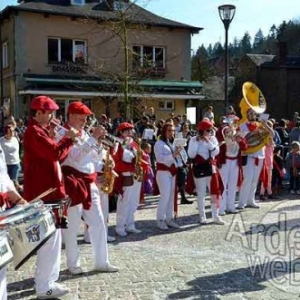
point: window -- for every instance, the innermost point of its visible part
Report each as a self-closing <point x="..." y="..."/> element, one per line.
<point x="166" y="105"/>
<point x="77" y="2"/>
<point x="5" y="55"/>
<point x="149" y="57"/>
<point x="66" y="50"/>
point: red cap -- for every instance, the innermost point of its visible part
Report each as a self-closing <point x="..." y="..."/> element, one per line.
<point x="205" y="125"/>
<point x="124" y="126"/>
<point x="79" y="108"/>
<point x="43" y="103"/>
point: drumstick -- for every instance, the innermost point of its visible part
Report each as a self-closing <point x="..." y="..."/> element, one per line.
<point x="49" y="191"/>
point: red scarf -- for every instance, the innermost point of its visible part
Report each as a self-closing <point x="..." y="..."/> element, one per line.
<point x="252" y="126"/>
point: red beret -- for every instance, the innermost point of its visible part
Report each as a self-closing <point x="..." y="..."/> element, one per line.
<point x="43" y="103"/>
<point x="205" y="125"/>
<point x="79" y="108"/>
<point x="124" y="126"/>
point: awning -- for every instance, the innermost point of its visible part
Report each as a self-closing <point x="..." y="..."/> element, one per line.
<point x="107" y="94"/>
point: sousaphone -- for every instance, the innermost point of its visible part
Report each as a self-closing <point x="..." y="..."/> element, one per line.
<point x="253" y="98"/>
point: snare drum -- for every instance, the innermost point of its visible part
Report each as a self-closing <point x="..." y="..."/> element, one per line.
<point x="29" y="229"/>
<point x="60" y="211"/>
<point x="6" y="254"/>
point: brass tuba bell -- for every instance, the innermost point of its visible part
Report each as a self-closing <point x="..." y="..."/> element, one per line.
<point x="253" y="98"/>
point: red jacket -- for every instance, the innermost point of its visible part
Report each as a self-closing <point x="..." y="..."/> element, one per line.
<point x="42" y="155"/>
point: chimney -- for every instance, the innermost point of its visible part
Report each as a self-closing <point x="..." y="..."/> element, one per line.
<point x="282" y="52"/>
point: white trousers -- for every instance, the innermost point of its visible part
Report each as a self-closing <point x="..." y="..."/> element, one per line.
<point x="3" y="292"/>
<point x="251" y="174"/>
<point x="48" y="263"/>
<point x="105" y="207"/>
<point x="127" y="206"/>
<point x="166" y="184"/>
<point x="96" y="229"/>
<point x="229" y="173"/>
<point x="201" y="185"/>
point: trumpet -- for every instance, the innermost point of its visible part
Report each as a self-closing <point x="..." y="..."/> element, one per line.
<point x="79" y="141"/>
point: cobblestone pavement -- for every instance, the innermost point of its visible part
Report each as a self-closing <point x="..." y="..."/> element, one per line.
<point x="254" y="256"/>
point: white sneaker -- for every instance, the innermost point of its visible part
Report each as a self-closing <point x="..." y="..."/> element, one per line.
<point x="121" y="233"/>
<point x="292" y="192"/>
<point x="203" y="221"/>
<point x="107" y="269"/>
<point x="133" y="230"/>
<point x="162" y="225"/>
<point x="58" y="290"/>
<point x="218" y="220"/>
<point x="75" y="270"/>
<point x="253" y="205"/>
<point x="298" y="192"/>
<point x="172" y="224"/>
<point x="110" y="239"/>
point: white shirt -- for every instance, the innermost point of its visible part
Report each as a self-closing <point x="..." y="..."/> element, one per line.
<point x="164" y="154"/>
<point x="203" y="148"/>
<point x="83" y="157"/>
<point x="11" y="150"/>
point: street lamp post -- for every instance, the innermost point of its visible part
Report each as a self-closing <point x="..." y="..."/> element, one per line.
<point x="226" y="13"/>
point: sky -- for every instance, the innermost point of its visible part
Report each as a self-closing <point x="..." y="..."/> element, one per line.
<point x="204" y="13"/>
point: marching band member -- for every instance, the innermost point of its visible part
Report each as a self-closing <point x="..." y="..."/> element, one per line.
<point x="42" y="171"/>
<point x="103" y="153"/>
<point x="80" y="171"/>
<point x="202" y="150"/>
<point x="252" y="165"/>
<point x="168" y="159"/>
<point x="229" y="162"/>
<point x="128" y="186"/>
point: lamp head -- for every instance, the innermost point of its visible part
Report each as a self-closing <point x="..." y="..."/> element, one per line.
<point x="226" y="12"/>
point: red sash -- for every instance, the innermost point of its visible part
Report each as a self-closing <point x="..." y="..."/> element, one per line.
<point x="78" y="186"/>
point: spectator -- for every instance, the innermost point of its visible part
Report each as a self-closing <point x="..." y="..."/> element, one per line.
<point x="295" y="133"/>
<point x="10" y="146"/>
<point x="151" y="115"/>
<point x="209" y="114"/>
<point x="116" y="122"/>
<point x="293" y="165"/>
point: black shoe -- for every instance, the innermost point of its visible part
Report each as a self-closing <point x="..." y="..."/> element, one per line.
<point x="186" y="201"/>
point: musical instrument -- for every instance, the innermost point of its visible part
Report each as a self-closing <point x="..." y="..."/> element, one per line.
<point x="29" y="229"/>
<point x="109" y="175"/>
<point x="139" y="172"/>
<point x="79" y="141"/>
<point x="6" y="254"/>
<point x="255" y="100"/>
<point x="60" y="212"/>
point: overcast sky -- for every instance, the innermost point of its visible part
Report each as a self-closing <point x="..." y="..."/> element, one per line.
<point x="250" y="16"/>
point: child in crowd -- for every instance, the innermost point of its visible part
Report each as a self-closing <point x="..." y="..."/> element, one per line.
<point x="278" y="172"/>
<point x="149" y="176"/>
<point x="293" y="165"/>
<point x="269" y="150"/>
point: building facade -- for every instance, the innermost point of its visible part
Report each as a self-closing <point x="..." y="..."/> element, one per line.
<point x="95" y="51"/>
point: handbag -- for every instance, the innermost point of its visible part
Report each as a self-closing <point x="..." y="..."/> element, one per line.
<point x="203" y="169"/>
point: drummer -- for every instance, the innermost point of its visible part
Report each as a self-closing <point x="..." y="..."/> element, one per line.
<point x="8" y="196"/>
<point x="42" y="155"/>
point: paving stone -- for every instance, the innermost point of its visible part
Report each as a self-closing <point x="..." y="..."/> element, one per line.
<point x="193" y="262"/>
